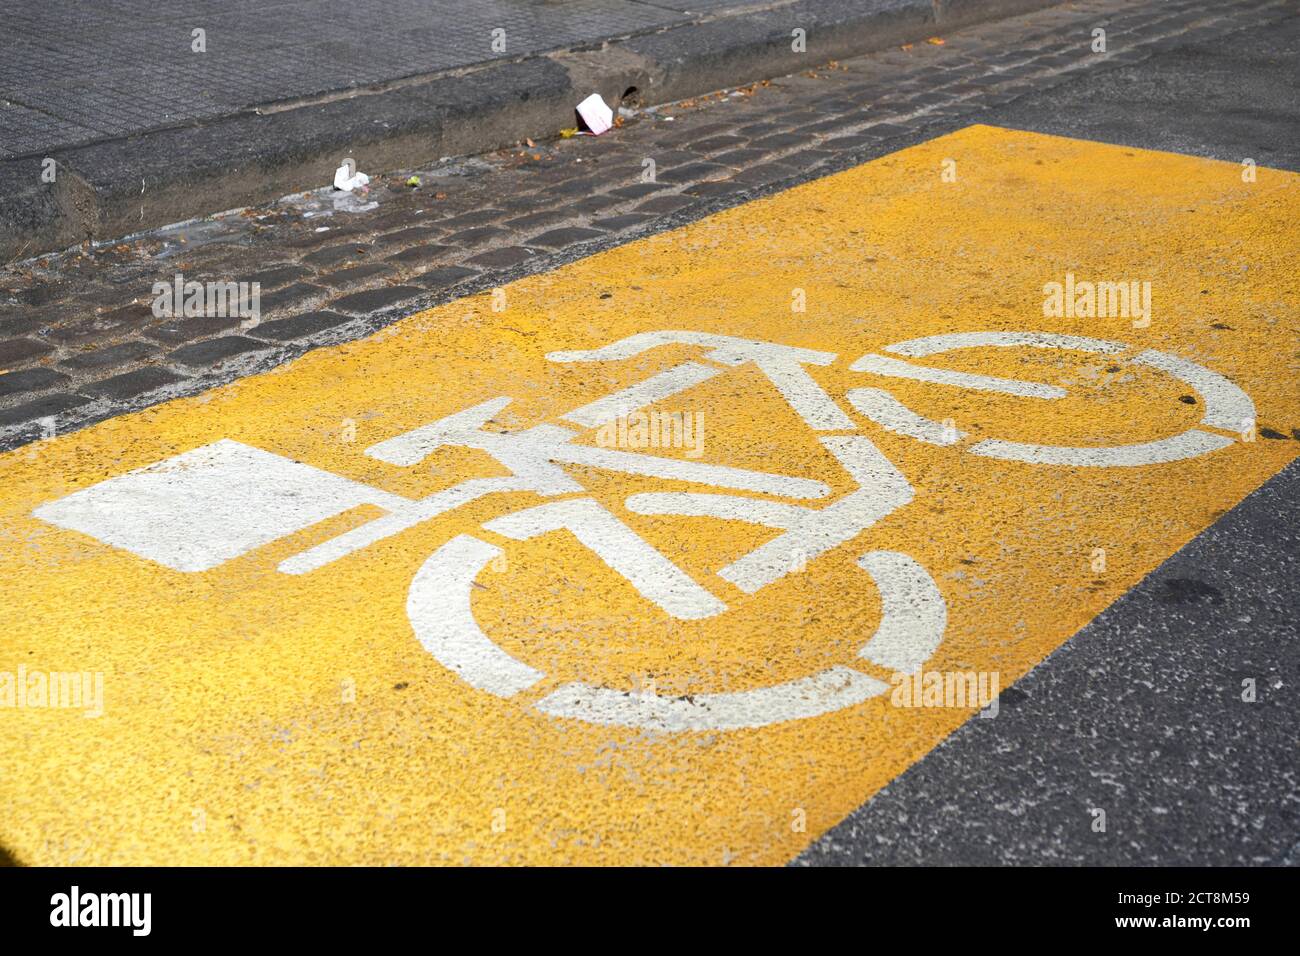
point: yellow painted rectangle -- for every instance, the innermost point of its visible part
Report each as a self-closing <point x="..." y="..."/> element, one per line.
<point x="253" y="716"/>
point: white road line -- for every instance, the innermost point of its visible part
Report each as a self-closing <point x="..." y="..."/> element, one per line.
<point x="1226" y="405"/>
<point x="411" y="448"/>
<point x="535" y="455"/>
<point x="934" y="344"/>
<point x="654" y="389"/>
<point x="891" y="414"/>
<point x="882" y="489"/>
<point x="675" y="469"/>
<point x="913" y="614"/>
<point x="694" y="504"/>
<point x="655" y="577"/>
<point x="808" y="399"/>
<point x="730" y="349"/>
<point x="782" y="364"/>
<point x="1189" y="444"/>
<point x="407" y="516"/>
<point x="895" y="368"/>
<point x="438" y="605"/>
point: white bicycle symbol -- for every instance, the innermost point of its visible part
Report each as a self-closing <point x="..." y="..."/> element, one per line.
<point x="209" y="505"/>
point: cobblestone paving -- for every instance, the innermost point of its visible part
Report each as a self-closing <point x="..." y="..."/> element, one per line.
<point x="80" y="343"/>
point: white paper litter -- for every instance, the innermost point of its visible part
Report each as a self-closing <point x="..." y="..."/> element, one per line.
<point x="343" y="178"/>
<point x="596" y="114"/>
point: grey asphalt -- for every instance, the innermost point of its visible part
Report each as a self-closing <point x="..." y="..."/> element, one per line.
<point x="1225" y="98"/>
<point x="1141" y="714"/>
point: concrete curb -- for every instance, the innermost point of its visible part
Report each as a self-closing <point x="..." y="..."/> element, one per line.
<point x="114" y="188"/>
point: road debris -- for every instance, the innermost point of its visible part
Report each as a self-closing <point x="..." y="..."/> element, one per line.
<point x="596" y="114"/>
<point x="347" y="178"/>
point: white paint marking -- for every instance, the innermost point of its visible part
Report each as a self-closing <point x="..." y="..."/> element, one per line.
<point x="654" y="389"/>
<point x="655" y="577"/>
<point x="895" y="368"/>
<point x="694" y="504"/>
<point x="675" y="469"/>
<point x="1226" y="405"/>
<point x="781" y="364"/>
<point x="1189" y="444"/>
<point x="535" y="454"/>
<point x="411" y="448"/>
<point x="891" y="414"/>
<point x="525" y="453"/>
<point x="934" y="344"/>
<point x="913" y="614"/>
<point x="882" y="489"/>
<point x="439" y="607"/>
<point x="731" y="350"/>
<point x="206" y="506"/>
<point x="808" y="399"/>
<point x="398" y="521"/>
<point x="833" y="689"/>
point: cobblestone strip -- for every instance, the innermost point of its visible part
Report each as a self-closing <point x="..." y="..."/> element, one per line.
<point x="79" y="341"/>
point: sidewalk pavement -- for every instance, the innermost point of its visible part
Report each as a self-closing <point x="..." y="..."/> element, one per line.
<point x="158" y="113"/>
